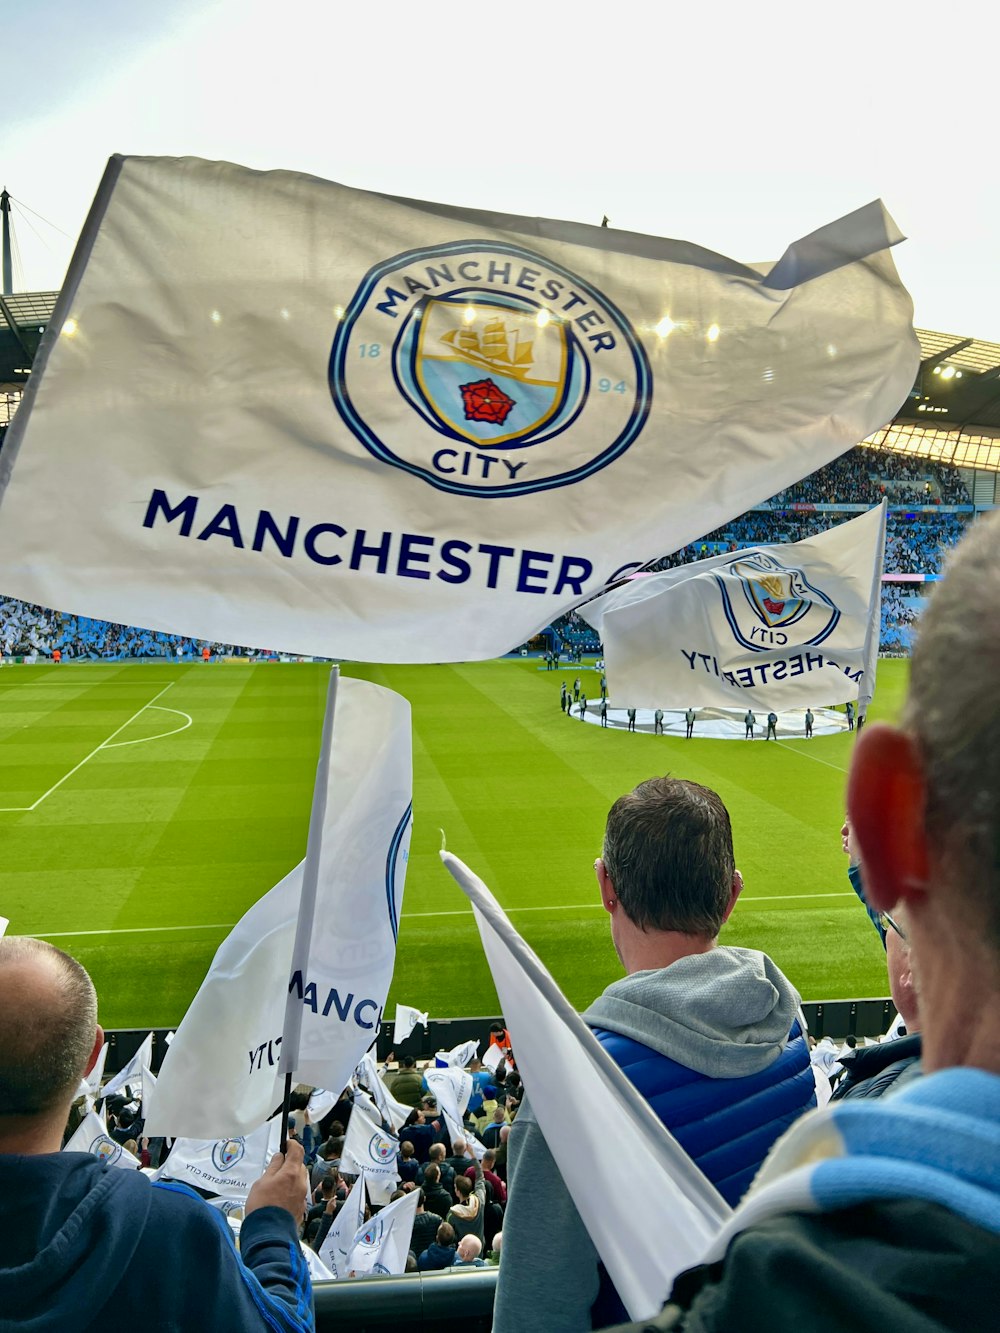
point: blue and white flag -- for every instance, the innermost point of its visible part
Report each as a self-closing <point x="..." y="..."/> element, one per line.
<point x="220" y="1075"/>
<point x="382" y="1244"/>
<point x="459" y="1056"/>
<point x="368" y="1147"/>
<point x="794" y="625"/>
<point x="392" y="1112"/>
<point x="345" y="1226"/>
<point x="273" y="410"/>
<point x="645" y="1236"/>
<point x="225" y="1167"/>
<point x="92" y="1136"/>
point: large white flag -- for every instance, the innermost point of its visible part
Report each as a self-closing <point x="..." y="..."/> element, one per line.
<point x="269" y="409"/>
<point x="645" y="1237"/>
<point x="90" y="1086"/>
<point x="131" y="1074"/>
<point x="787" y="626"/>
<point x="371" y="1149"/>
<point x="382" y="1244"/>
<point x="406" y="1020"/>
<point x="92" y="1136"/>
<point x="340" y="1237"/>
<point x="459" y="1056"/>
<point x="220" y="1075"/>
<point x="226" y="1167"/>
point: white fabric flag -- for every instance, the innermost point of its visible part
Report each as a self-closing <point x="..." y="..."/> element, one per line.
<point x="92" y="1136"/>
<point x="493" y="1057"/>
<point x="148" y="1087"/>
<point x="787" y="626"/>
<point x="268" y="408"/>
<point x="452" y="1089"/>
<point x="369" y="1148"/>
<point x="131" y="1074"/>
<point x="318" y="1270"/>
<point x="90" y="1086"/>
<point x="391" y="1111"/>
<point x="320" y="1102"/>
<point x="381" y="1245"/>
<point x="459" y="1056"/>
<point x="226" y="1167"/>
<point x="646" y="1237"/>
<point x="4" y="923"/>
<point x="220" y="1074"/>
<point x="406" y="1020"/>
<point x="340" y="1237"/>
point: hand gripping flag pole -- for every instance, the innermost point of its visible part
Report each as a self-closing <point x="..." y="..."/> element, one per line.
<point x="291" y="1031"/>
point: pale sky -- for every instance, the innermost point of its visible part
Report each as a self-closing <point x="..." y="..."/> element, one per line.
<point x="737" y="126"/>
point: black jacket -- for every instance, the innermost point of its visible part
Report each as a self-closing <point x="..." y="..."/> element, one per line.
<point x="870" y="1071"/>
<point x="896" y="1266"/>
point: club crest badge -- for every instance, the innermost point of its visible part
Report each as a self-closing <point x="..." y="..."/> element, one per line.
<point x="381" y="1150"/>
<point x="227" y="1152"/>
<point x="106" y="1149"/>
<point x="487" y="370"/>
<point x="371" y="1237"/>
<point x="770" y="605"/>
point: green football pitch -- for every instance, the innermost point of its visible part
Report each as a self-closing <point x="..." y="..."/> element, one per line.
<point x="143" y="808"/>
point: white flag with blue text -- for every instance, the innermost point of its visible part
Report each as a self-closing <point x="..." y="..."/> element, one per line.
<point x="220" y="1074"/>
<point x="340" y="1238"/>
<point x="382" y="1244"/>
<point x="794" y="625"/>
<point x="371" y="1149"/>
<point x="268" y="408"/>
<point x="224" y="1167"/>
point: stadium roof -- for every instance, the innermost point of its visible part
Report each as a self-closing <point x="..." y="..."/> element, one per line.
<point x="952" y="414"/>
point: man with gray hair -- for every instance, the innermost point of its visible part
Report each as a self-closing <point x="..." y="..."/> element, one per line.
<point x="885" y="1214"/>
<point x="81" y="1240"/>
<point x="708" y="1034"/>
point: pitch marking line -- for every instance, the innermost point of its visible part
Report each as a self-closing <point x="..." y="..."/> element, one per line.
<point x="795" y="750"/>
<point x="160" y="734"/>
<point x="562" y="907"/>
<point x="104" y="745"/>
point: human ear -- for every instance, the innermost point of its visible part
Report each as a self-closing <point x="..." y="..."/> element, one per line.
<point x="886" y="800"/>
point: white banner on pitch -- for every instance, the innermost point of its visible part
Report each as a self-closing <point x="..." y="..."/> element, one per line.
<point x="794" y="625"/>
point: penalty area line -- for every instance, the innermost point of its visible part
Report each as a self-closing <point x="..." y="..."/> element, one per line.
<point x="816" y="760"/>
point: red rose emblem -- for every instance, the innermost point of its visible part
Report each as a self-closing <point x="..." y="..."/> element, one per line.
<point x="775" y="608"/>
<point x="484" y="401"/>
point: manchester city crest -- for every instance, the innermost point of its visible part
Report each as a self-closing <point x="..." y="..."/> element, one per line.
<point x="106" y="1149"/>
<point x="381" y="1149"/>
<point x="372" y="1235"/>
<point x="227" y="1152"/>
<point x="769" y="604"/>
<point x="487" y="370"/>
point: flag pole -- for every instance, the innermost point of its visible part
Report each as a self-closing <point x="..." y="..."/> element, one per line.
<point x="292" y="1028"/>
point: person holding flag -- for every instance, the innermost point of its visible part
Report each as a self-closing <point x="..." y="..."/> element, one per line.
<point x="708" y="1035"/>
<point x="75" y="1235"/>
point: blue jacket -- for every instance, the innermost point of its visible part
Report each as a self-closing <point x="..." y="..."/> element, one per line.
<point x="726" y="1125"/>
<point x="85" y="1246"/>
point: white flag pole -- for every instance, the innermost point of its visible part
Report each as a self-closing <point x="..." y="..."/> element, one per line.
<point x="874" y="633"/>
<point x="291" y="1031"/>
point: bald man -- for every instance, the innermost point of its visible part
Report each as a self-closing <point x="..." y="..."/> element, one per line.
<point x="82" y="1242"/>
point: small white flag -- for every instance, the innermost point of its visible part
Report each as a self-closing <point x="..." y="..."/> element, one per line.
<point x="368" y="1148"/>
<point x="406" y="1020"/>
<point x="382" y="1244"/>
<point x="644" y="1238"/>
<point x="392" y="1112"/>
<point x="226" y="1167"/>
<point x="220" y="1074"/>
<point x="90" y="1086"/>
<point x="459" y="1056"/>
<point x="452" y="1089"/>
<point x="340" y="1237"/>
<point x="787" y="626"/>
<point x="320" y="1102"/>
<point x="92" y="1136"/>
<point x="493" y="1056"/>
<point x="318" y="1270"/>
<point x="148" y="1085"/>
<point x="4" y="923"/>
<point x="131" y="1075"/>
